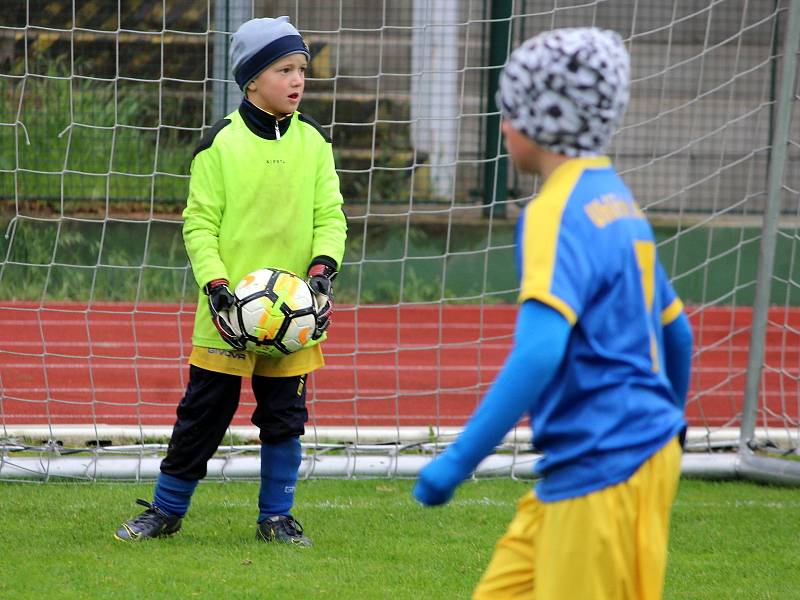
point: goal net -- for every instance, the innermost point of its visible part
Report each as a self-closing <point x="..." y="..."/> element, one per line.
<point x="103" y="103"/>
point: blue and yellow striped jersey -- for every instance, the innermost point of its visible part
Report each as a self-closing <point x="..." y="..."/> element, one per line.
<point x="585" y="249"/>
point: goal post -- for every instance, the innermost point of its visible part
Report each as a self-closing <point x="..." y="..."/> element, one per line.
<point x="103" y="104"/>
<point x="766" y="468"/>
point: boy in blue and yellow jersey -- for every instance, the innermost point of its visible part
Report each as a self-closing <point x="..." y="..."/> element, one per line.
<point x="263" y="193"/>
<point x="602" y="349"/>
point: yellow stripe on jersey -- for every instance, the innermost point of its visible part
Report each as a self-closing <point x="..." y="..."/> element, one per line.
<point x="669" y="314"/>
<point x="540" y="235"/>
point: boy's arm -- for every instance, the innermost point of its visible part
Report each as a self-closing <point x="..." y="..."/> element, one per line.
<point x="678" y="355"/>
<point x="330" y="231"/>
<point x="677" y="337"/>
<point x="202" y="218"/>
<point x="330" y="225"/>
<point x="539" y="346"/>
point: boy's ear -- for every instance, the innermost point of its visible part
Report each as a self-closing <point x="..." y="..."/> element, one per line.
<point x="251" y="87"/>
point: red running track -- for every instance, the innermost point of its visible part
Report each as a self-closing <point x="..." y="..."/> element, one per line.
<point x="121" y="364"/>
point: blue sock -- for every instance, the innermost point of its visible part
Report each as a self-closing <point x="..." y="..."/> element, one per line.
<point x="279" y="466"/>
<point x="173" y="495"/>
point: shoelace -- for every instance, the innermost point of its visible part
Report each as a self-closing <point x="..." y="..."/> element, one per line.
<point x="292" y="527"/>
<point x="149" y="516"/>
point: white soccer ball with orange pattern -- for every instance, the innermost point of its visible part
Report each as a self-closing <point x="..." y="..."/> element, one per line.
<point x="274" y="311"/>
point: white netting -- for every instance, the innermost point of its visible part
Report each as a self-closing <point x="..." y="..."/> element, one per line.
<point x="104" y="102"/>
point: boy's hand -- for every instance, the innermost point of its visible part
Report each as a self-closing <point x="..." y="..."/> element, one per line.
<point x="220" y="299"/>
<point x="429" y="495"/>
<point x="320" y="280"/>
<point x="436" y="483"/>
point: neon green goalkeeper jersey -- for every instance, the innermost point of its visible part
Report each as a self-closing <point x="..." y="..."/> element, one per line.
<point x="256" y="202"/>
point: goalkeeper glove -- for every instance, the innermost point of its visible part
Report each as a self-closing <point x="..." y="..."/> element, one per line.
<point x="321" y="275"/>
<point x="220" y="299"/>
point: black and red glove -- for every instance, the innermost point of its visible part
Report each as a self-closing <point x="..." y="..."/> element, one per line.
<point x="220" y="299"/>
<point x="321" y="275"/>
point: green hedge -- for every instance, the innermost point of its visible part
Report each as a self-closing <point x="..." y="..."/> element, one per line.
<point x="145" y="260"/>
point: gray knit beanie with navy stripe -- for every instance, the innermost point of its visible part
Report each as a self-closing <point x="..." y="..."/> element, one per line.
<point x="260" y="42"/>
<point x="567" y="89"/>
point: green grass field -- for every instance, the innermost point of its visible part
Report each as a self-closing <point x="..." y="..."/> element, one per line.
<point x="729" y="541"/>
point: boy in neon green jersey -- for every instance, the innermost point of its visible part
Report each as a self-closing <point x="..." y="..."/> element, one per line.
<point x="263" y="193"/>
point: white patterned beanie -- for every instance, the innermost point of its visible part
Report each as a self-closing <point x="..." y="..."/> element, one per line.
<point x="567" y="89"/>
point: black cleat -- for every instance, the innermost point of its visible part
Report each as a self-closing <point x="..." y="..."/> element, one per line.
<point x="280" y="528"/>
<point x="152" y="523"/>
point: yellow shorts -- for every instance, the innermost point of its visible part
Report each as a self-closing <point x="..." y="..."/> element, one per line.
<point x="607" y="545"/>
<point x="247" y="364"/>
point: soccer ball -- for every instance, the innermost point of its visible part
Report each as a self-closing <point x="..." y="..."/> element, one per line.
<point x="274" y="312"/>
